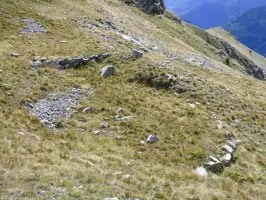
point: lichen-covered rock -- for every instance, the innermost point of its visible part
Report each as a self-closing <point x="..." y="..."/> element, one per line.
<point x="151" y="6"/>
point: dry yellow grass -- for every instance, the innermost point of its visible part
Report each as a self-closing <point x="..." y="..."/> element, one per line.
<point x="79" y="165"/>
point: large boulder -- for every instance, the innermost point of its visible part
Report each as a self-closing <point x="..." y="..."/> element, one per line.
<point x="151" y="6"/>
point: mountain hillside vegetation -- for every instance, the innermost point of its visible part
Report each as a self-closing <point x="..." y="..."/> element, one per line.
<point x="100" y="100"/>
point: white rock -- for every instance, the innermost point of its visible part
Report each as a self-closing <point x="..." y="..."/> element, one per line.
<point x="152" y="139"/>
<point x="213" y="159"/>
<point x="108" y="71"/>
<point x="192" y="105"/>
<point x="125" y="118"/>
<point x="14" y="55"/>
<point x="201" y="171"/>
<point x="227" y="159"/>
<point x="113" y="198"/>
<point x="86" y="110"/>
<point x="228" y="149"/>
<point x="96" y="132"/>
<point x="35" y="58"/>
<point x="142" y="143"/>
<point x="21" y="133"/>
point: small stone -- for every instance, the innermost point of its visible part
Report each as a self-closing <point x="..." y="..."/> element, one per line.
<point x="232" y="143"/>
<point x="192" y="105"/>
<point x="35" y="58"/>
<point x="228" y="135"/>
<point x="120" y="110"/>
<point x="14" y="55"/>
<point x="63" y="41"/>
<point x="113" y="198"/>
<point x="155" y="48"/>
<point x="21" y="133"/>
<point x="214" y="167"/>
<point x="96" y="132"/>
<point x="118" y="137"/>
<point x="127" y="176"/>
<point x="108" y="71"/>
<point x="213" y="159"/>
<point x="227" y="159"/>
<point x="87" y="110"/>
<point x="80" y="187"/>
<point x="228" y="149"/>
<point x="128" y="163"/>
<point x="42" y="59"/>
<point x="142" y="143"/>
<point x="42" y="193"/>
<point x="125" y="118"/>
<point x="104" y="125"/>
<point x="144" y="49"/>
<point x="201" y="171"/>
<point x="152" y="139"/>
<point x="136" y="54"/>
<point x="30" y="105"/>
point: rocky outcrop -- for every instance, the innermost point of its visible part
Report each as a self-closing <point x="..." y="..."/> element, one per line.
<point x="65" y="63"/>
<point x="251" y="68"/>
<point x="151" y="6"/>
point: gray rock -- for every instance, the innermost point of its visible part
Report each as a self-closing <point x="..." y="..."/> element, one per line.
<point x="151" y="6"/>
<point x="233" y="144"/>
<point x="228" y="135"/>
<point x="227" y="148"/>
<point x="108" y="71"/>
<point x="33" y="27"/>
<point x="120" y="110"/>
<point x="35" y="58"/>
<point x="87" y="110"/>
<point x="214" y="167"/>
<point x="104" y="125"/>
<point x="201" y="171"/>
<point x="227" y="159"/>
<point x="144" y="49"/>
<point x="152" y="139"/>
<point x="136" y="54"/>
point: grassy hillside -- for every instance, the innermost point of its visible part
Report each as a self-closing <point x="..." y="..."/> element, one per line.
<point x="75" y="162"/>
<point x="250" y="29"/>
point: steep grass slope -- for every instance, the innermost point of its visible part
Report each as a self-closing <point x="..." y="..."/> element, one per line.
<point x="78" y="163"/>
<point x="223" y="34"/>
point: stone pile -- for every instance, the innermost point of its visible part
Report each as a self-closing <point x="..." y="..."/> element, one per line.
<point x="66" y="63"/>
<point x="33" y="27"/>
<point x="57" y="107"/>
<point x="217" y="163"/>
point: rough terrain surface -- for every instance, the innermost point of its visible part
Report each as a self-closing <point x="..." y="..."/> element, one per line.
<point x="172" y="114"/>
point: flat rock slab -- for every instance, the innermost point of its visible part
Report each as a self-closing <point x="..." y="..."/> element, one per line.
<point x="57" y="106"/>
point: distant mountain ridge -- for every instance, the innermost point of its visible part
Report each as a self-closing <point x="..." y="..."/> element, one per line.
<point x="211" y="13"/>
<point x="250" y="29"/>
